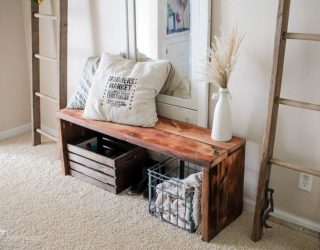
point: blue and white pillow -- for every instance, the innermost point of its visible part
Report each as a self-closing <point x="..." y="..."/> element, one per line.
<point x="79" y="99"/>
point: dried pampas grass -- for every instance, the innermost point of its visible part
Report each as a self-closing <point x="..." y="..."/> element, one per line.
<point x="222" y="57"/>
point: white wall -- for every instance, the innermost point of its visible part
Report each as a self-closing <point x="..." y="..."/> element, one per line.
<point x="14" y="85"/>
<point x="298" y="130"/>
<point x="147" y="23"/>
<point x="95" y="26"/>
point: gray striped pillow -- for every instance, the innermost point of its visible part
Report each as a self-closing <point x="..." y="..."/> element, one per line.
<point x="79" y="99"/>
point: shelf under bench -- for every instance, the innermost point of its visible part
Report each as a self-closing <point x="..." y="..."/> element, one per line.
<point x="222" y="162"/>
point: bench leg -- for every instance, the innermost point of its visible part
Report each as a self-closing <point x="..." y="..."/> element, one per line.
<point x="222" y="194"/>
<point x="67" y="133"/>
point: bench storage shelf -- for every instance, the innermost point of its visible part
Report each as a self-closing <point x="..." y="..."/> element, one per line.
<point x="221" y="163"/>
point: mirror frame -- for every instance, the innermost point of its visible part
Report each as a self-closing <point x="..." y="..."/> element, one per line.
<point x="194" y="110"/>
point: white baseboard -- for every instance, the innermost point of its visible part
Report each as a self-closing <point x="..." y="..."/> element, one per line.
<point x="249" y="205"/>
<point x="15" y="131"/>
<point x="24" y="129"/>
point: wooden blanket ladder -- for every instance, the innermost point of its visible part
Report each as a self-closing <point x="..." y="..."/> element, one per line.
<point x="60" y="60"/>
<point x="264" y="200"/>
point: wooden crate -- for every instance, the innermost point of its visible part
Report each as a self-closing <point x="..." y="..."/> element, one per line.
<point x="105" y="162"/>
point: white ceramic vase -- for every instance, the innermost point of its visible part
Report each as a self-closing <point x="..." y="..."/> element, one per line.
<point x="221" y="126"/>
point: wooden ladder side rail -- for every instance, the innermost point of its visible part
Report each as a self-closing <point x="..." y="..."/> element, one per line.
<point x="61" y="59"/>
<point x="273" y="107"/>
<point x="35" y="100"/>
<point x="63" y="52"/>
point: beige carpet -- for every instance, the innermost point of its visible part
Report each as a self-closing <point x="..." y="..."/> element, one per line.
<point x="40" y="209"/>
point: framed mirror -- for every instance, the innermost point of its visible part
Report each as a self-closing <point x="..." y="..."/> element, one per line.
<point x="178" y="31"/>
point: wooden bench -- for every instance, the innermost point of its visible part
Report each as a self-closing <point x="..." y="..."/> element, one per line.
<point x="222" y="162"/>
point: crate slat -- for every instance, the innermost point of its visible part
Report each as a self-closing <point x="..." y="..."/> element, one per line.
<point x="92" y="181"/>
<point x="129" y="169"/>
<point x="90" y="155"/>
<point x="91" y="164"/>
<point x="132" y="154"/>
<point x="93" y="173"/>
<point x="111" y="142"/>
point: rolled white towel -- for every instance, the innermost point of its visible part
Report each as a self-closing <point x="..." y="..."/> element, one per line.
<point x="163" y="202"/>
<point x="181" y="208"/>
<point x="176" y="220"/>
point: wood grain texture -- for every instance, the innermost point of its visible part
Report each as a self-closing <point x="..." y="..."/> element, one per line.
<point x="193" y="151"/>
<point x="63" y="53"/>
<point x="271" y="122"/>
<point x="46" y="97"/>
<point x="120" y="172"/>
<point x="93" y="181"/>
<point x="235" y="184"/>
<point x="93" y="173"/>
<point x="295" y="167"/>
<point x="35" y="100"/>
<point x="44" y="133"/>
<point x="91" y="155"/>
<point x="91" y="164"/>
<point x="303" y="36"/>
<point x="129" y="170"/>
<point x="222" y="194"/>
<point x="197" y="133"/>
<point x="120" y="177"/>
<point x="46" y="58"/>
<point x="62" y="56"/>
<point x="68" y="132"/>
<point x="298" y="104"/>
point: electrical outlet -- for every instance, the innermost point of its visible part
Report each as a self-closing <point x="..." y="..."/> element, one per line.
<point x="305" y="182"/>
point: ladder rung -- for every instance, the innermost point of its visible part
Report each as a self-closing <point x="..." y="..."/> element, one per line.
<point x="45" y="16"/>
<point x="44" y="96"/>
<point x="47" y="58"/>
<point x="298" y="104"/>
<point x="302" y="36"/>
<point x="294" y="167"/>
<point x="40" y="131"/>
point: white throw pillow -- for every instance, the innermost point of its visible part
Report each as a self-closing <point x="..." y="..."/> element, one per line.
<point x="124" y="91"/>
<point x="175" y="85"/>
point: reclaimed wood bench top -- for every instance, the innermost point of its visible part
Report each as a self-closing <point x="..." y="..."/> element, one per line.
<point x="182" y="140"/>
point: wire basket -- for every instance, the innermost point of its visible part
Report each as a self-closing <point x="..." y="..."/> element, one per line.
<point x="169" y="198"/>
